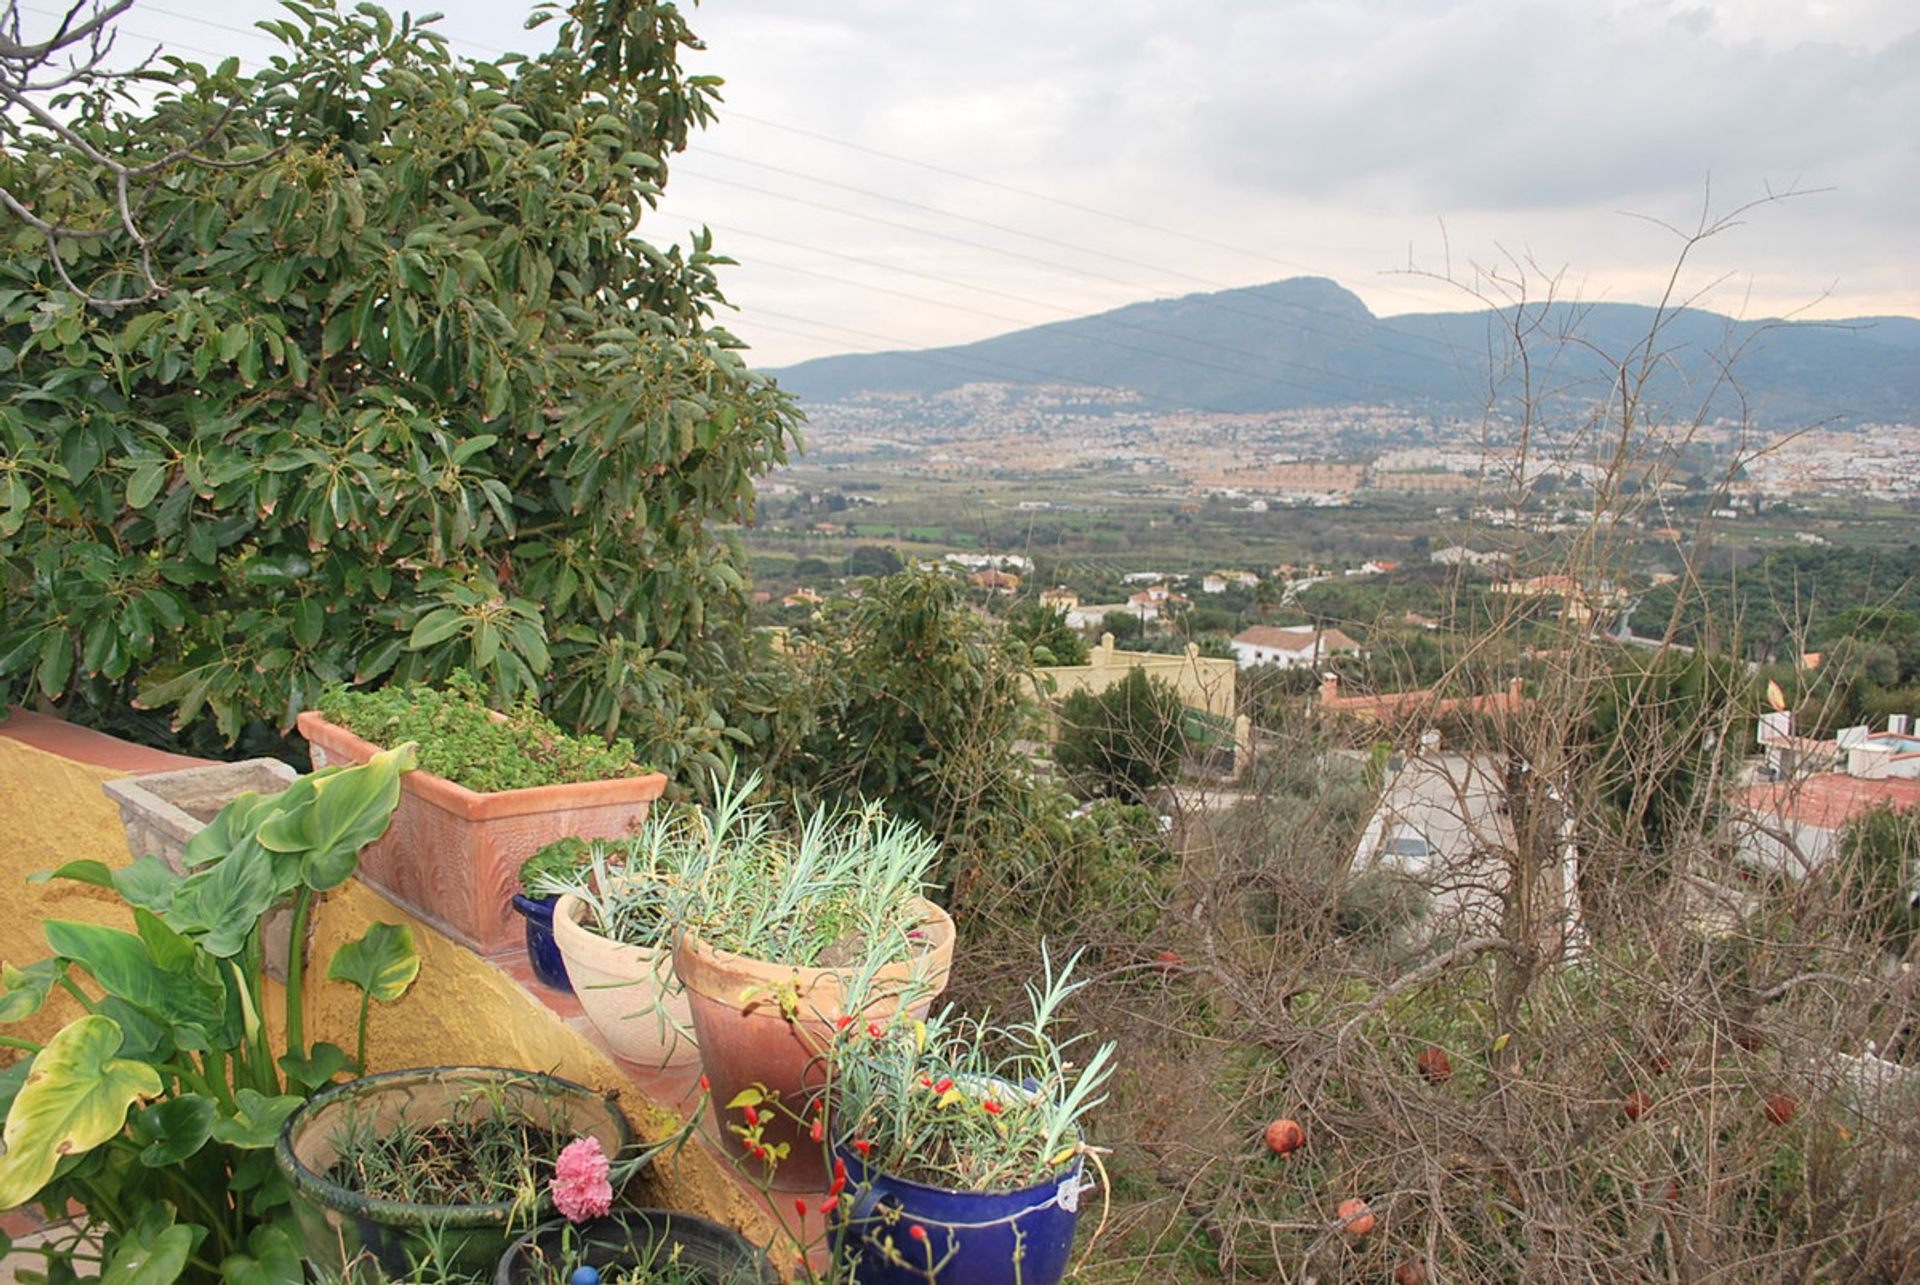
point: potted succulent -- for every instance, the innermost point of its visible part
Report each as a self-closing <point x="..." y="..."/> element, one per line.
<point x="613" y="925"/>
<point x="654" y="1246"/>
<point x="959" y="1146"/>
<point x="786" y="937"/>
<point x="442" y="1165"/>
<point x="558" y="863"/>
<point x="492" y="789"/>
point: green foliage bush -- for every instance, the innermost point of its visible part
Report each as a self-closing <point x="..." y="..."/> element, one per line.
<point x="1047" y="636"/>
<point x="1127" y="739"/>
<point x="416" y="397"/>
<point x="908" y="696"/>
<point x="461" y="739"/>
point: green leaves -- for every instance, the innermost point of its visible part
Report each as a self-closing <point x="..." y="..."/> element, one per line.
<point x="170" y="1131"/>
<point x="341" y="813"/>
<point x="256" y="1120"/>
<point x="75" y="1098"/>
<point x="155" y="1250"/>
<point x="381" y="962"/>
<point x="26" y="989"/>
<point x="190" y="999"/>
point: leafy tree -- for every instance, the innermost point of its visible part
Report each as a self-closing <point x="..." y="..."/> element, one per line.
<point x="415" y="395"/>
<point x="872" y="560"/>
<point x="1049" y="639"/>
<point x="906" y="696"/>
<point x="1128" y="738"/>
<point x="1123" y="625"/>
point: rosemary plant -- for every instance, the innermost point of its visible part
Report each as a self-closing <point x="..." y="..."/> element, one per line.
<point x="965" y="1105"/>
<point x="627" y="884"/>
<point x="839" y="891"/>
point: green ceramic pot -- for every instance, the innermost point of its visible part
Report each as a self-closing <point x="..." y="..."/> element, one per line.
<point x="352" y="1235"/>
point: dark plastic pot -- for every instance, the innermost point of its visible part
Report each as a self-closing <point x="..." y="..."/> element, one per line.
<point x="635" y="1238"/>
<point x="348" y="1233"/>
<point x="1022" y="1237"/>
<point x="543" y="952"/>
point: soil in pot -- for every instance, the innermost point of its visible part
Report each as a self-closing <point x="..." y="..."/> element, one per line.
<point x="448" y="1164"/>
<point x="749" y="1037"/>
<point x="637" y="1247"/>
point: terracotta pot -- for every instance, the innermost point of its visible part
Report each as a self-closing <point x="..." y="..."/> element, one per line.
<point x="747" y="1040"/>
<point x="452" y="856"/>
<point x="631" y="994"/>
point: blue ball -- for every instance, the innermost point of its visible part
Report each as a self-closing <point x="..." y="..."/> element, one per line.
<point x="584" y="1276"/>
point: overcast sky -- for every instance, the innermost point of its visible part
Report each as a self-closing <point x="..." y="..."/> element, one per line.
<point x="903" y="173"/>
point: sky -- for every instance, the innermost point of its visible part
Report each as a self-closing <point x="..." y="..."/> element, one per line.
<point x="907" y="174"/>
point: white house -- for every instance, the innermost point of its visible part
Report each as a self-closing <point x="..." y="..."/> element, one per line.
<point x="1291" y="648"/>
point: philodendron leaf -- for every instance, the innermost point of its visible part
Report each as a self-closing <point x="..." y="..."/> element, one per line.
<point x="124" y="966"/>
<point x="273" y="1258"/>
<point x="93" y="872"/>
<point x="26" y="989"/>
<point x="148" y="883"/>
<point x="232" y="827"/>
<point x="322" y="1063"/>
<point x="221" y="903"/>
<point x="381" y="961"/>
<point x="154" y="1251"/>
<point x="348" y="811"/>
<point x="256" y="1120"/>
<point x="75" y="1097"/>
<point x="174" y="1129"/>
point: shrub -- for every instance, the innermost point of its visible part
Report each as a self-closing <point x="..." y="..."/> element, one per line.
<point x="416" y="398"/>
<point x="1127" y="739"/>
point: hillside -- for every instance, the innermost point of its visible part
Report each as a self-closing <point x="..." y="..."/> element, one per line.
<point x="1308" y="342"/>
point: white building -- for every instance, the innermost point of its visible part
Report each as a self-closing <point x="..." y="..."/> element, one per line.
<point x="1291" y="648"/>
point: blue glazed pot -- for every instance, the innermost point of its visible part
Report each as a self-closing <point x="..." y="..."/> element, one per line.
<point x="542" y="951"/>
<point x="1022" y="1237"/>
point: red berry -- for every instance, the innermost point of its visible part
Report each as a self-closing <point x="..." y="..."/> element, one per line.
<point x="1434" y="1064"/>
<point x="1411" y="1272"/>
<point x="1781" y="1108"/>
<point x="917" y="1232"/>
<point x="1356" y="1219"/>
<point x="1637" y="1104"/>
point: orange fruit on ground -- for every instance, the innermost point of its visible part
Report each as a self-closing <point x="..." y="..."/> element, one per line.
<point x="1781" y="1108"/>
<point x="1285" y="1135"/>
<point x="1637" y="1104"/>
<point x="1356" y="1219"/>
<point x="1411" y="1272"/>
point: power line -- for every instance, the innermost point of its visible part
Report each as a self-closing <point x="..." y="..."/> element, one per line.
<point x="1163" y="269"/>
<point x="1265" y="359"/>
<point x="734" y="113"/>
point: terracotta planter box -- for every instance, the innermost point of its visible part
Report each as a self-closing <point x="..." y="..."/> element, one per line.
<point x="746" y="1040"/>
<point x="453" y="856"/>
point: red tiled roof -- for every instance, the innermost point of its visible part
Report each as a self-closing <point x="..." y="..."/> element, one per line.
<point x="1295" y="639"/>
<point x="1830" y="799"/>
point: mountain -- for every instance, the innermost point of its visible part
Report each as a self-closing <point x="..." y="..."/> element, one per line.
<point x="1308" y="342"/>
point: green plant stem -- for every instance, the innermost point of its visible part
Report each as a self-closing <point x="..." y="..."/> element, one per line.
<point x="14" y="1042"/>
<point x="360" y="1052"/>
<point x="73" y="988"/>
<point x="297" y="972"/>
<point x="216" y="1069"/>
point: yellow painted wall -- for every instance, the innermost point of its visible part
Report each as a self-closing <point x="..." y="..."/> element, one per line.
<point x="1204" y="682"/>
<point x="460" y="1010"/>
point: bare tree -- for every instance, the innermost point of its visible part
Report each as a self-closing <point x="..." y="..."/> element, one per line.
<point x="49" y="87"/>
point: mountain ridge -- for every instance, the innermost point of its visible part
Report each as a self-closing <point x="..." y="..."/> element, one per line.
<point x="1306" y="342"/>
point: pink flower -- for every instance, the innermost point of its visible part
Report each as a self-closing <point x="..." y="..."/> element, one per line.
<point x="580" y="1187"/>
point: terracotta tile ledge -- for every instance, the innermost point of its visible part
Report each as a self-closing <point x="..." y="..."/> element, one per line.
<point x="84" y="745"/>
